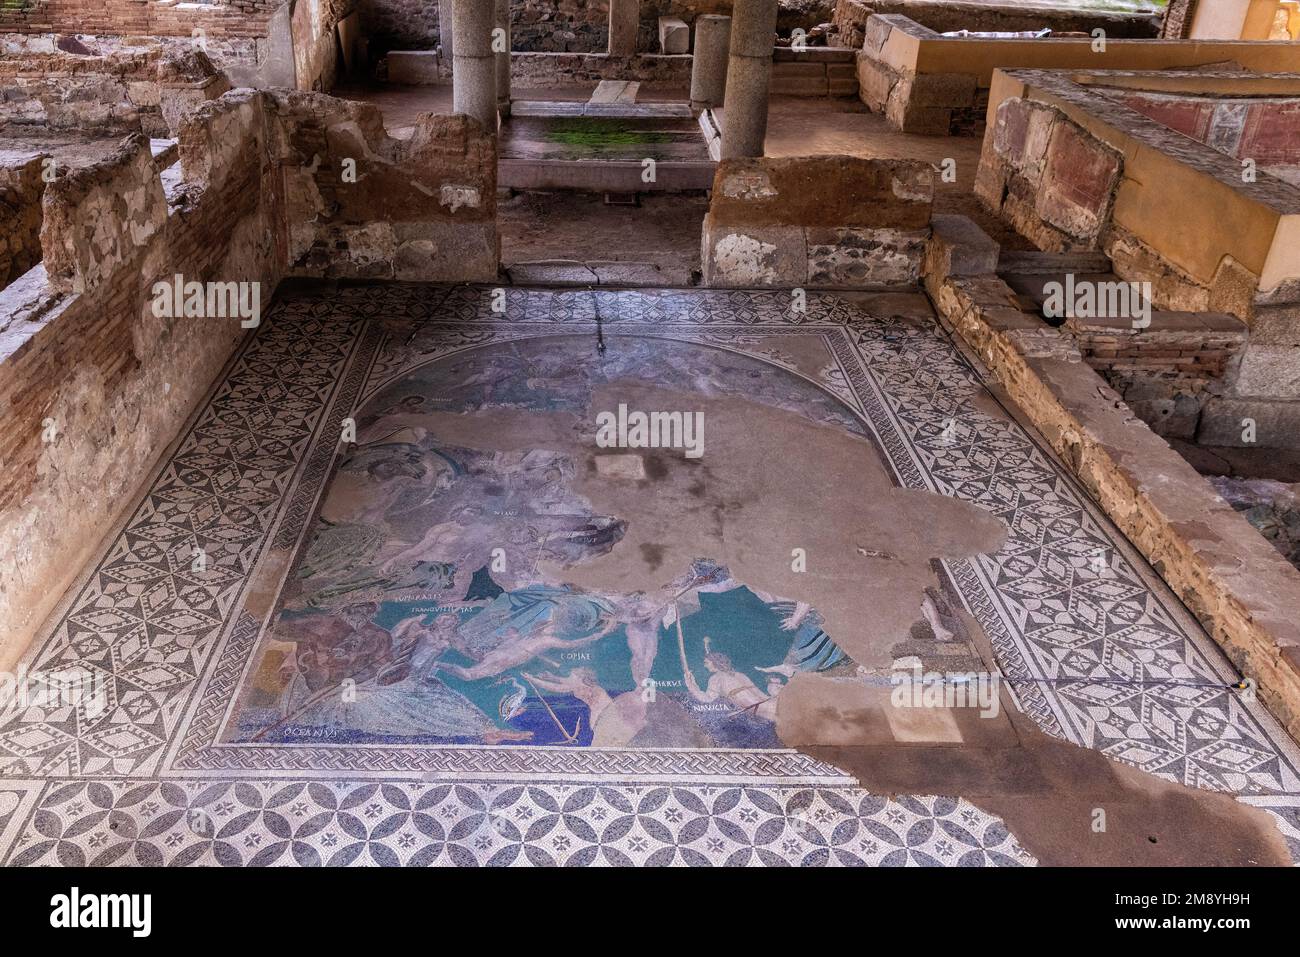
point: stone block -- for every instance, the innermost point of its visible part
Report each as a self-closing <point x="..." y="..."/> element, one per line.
<point x="1269" y="371"/>
<point x="875" y="82"/>
<point x="1021" y="133"/>
<point x="922" y="120"/>
<point x="1276" y="324"/>
<point x="877" y="34"/>
<point x="958" y="247"/>
<point x="674" y="35"/>
<point x="950" y="90"/>
<point x="1276" y="424"/>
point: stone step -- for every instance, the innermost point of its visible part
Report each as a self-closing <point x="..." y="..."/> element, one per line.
<point x="798" y="69"/>
<point x="615" y="91"/>
<point x="1032" y="293"/>
<point x="1015" y="262"/>
<point x="1031" y="288"/>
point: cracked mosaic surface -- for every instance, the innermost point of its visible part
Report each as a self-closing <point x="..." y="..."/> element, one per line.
<point x="1066" y="598"/>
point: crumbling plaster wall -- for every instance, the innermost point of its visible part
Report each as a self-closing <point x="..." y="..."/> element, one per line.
<point x="419" y="208"/>
<point x="234" y="33"/>
<point x="114" y="94"/>
<point x="829" y="221"/>
<point x="94" y="384"/>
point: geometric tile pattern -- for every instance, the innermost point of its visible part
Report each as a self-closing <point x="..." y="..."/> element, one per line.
<point x="1096" y="649"/>
<point x="474" y="824"/>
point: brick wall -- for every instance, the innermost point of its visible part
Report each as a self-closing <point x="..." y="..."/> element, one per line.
<point x="217" y="18"/>
<point x="825" y="221"/>
<point x="1169" y="371"/>
<point x="94" y="385"/>
<point x="1197" y="543"/>
<point x="116" y="94"/>
<point x="1189" y="350"/>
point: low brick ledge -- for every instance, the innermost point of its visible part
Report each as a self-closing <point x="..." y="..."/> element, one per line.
<point x="1243" y="592"/>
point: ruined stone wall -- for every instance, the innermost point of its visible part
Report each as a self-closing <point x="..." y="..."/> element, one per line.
<point x="361" y="204"/>
<point x="117" y="94"/>
<point x="94" y="382"/>
<point x="106" y="95"/>
<point x="235" y="18"/>
<point x="286" y="43"/>
<point x="828" y="221"/>
<point x="1241" y="590"/>
<point x="93" y="386"/>
<point x="1169" y="371"/>
<point x="1066" y="189"/>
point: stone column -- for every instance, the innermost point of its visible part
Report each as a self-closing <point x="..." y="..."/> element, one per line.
<point x="749" y="74"/>
<point x="503" y="57"/>
<point x="709" y="66"/>
<point x="474" y="68"/>
<point x="444" y="27"/>
<point x="624" y="22"/>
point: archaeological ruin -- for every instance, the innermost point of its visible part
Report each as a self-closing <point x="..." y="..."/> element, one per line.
<point x="734" y="432"/>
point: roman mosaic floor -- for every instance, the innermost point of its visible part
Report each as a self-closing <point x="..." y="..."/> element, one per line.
<point x="392" y="600"/>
